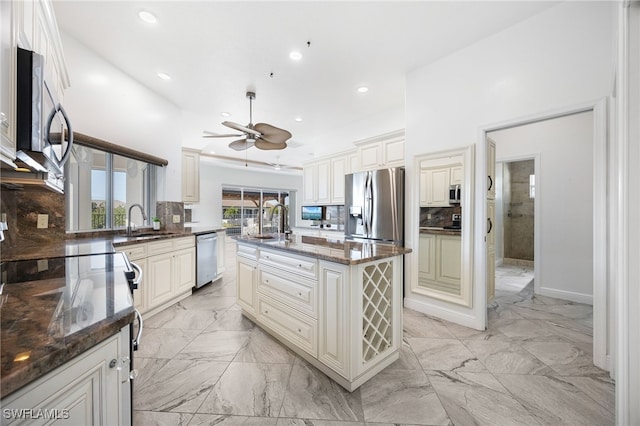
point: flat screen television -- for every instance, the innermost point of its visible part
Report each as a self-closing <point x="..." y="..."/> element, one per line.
<point x="311" y="212"/>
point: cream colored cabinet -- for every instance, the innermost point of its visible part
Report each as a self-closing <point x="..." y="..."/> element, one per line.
<point x="456" y="176"/>
<point x="87" y="390"/>
<point x="427" y="262"/>
<point x="317" y="183"/>
<point x="7" y="81"/>
<point x="169" y="272"/>
<point x="190" y="176"/>
<point x="247" y="278"/>
<point x="491" y="169"/>
<point x="382" y="151"/>
<point x="440" y="267"/>
<point x="334" y="300"/>
<point x="434" y="187"/>
<point x="338" y="170"/>
<point x="491" y="250"/>
<point x="353" y="162"/>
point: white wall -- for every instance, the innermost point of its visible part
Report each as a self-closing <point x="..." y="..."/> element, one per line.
<point x="213" y="177"/>
<point x="105" y="103"/>
<point x="564" y="192"/>
<point x="558" y="58"/>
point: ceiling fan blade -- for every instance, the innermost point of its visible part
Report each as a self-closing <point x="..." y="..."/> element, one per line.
<point x="240" y="128"/>
<point x="240" y="145"/>
<point x="272" y="134"/>
<point x="266" y="145"/>
<point x="209" y="134"/>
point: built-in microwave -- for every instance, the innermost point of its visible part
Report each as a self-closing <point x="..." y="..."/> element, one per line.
<point x="44" y="138"/>
<point x="454" y="194"/>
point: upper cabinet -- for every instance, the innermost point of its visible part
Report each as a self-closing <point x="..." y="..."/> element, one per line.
<point x="382" y="151"/>
<point x="491" y="169"/>
<point x="436" y="176"/>
<point x="323" y="180"/>
<point x="190" y="175"/>
<point x="31" y="25"/>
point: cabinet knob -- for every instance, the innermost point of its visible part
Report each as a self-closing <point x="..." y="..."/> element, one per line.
<point x="299" y="331"/>
<point x="266" y="312"/>
<point x="300" y="294"/>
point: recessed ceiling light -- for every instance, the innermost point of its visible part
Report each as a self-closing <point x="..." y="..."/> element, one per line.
<point x="363" y="89"/>
<point x="147" y="17"/>
<point x="298" y="119"/>
<point x="295" y="55"/>
<point x="225" y="114"/>
<point x="164" y="76"/>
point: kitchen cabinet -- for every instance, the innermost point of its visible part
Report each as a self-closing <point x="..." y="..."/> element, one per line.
<point x="169" y="268"/>
<point x="440" y="268"/>
<point x="88" y="390"/>
<point x="30" y="25"/>
<point x="190" y="176"/>
<point x="247" y="279"/>
<point x="382" y="151"/>
<point x="343" y="319"/>
<point x="338" y="170"/>
<point x="491" y="250"/>
<point x="435" y="182"/>
<point x="323" y="180"/>
<point x="491" y="169"/>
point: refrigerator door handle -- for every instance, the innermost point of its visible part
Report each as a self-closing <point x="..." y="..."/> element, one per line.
<point x="368" y="204"/>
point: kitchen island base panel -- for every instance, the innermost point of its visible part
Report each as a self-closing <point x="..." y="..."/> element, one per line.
<point x="382" y="362"/>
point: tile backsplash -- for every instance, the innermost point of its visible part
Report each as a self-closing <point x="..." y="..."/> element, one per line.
<point x="440" y="216"/>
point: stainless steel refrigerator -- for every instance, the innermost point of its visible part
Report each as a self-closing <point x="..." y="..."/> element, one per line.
<point x="374" y="205"/>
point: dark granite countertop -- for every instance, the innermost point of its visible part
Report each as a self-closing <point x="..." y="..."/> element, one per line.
<point x="95" y="243"/>
<point x="49" y="314"/>
<point x="342" y="251"/>
<point x="440" y="231"/>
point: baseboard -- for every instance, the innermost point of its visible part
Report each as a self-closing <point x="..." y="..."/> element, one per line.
<point x="566" y="295"/>
<point x="441" y="312"/>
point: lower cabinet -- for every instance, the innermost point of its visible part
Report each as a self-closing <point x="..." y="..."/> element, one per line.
<point x="88" y="390"/>
<point x="169" y="271"/>
<point x="440" y="265"/>
<point x="343" y="319"/>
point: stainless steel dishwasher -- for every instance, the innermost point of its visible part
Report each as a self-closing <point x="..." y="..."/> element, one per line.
<point x="207" y="258"/>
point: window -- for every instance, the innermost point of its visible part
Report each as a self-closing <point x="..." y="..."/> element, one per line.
<point x="253" y="211"/>
<point x="101" y="186"/>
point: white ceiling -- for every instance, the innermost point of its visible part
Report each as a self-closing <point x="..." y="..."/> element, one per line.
<point x="215" y="50"/>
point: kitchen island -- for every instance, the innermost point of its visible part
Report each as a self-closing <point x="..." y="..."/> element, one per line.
<point x="336" y="303"/>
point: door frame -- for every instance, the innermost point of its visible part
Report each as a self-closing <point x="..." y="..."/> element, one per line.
<point x="601" y="292"/>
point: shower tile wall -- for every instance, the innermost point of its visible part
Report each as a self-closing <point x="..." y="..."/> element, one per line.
<point x="518" y="211"/>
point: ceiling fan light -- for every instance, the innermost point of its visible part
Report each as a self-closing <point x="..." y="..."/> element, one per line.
<point x="147" y="17"/>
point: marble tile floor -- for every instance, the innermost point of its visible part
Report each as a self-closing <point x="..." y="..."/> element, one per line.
<point x="203" y="363"/>
<point x="512" y="277"/>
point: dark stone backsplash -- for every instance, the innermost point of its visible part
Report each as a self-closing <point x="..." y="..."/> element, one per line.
<point x="165" y="210"/>
<point x="440" y="216"/>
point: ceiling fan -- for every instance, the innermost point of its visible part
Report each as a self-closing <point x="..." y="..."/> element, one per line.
<point x="261" y="135"/>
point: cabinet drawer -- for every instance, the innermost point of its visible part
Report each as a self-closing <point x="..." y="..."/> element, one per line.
<point x="292" y="290"/>
<point x="183" y="243"/>
<point x="294" y="326"/>
<point x="135" y="252"/>
<point x="305" y="266"/>
<point x="247" y="251"/>
<point x="158" y="247"/>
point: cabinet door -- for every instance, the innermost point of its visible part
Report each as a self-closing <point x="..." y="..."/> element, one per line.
<point x="449" y="261"/>
<point x="353" y="163"/>
<point x="7" y="81"/>
<point x="427" y="261"/>
<point x="491" y="250"/>
<point x="323" y="182"/>
<point x="333" y="347"/>
<point x="247" y="277"/>
<point x="456" y="175"/>
<point x="491" y="169"/>
<point x="338" y="170"/>
<point x="184" y="265"/>
<point x="370" y="156"/>
<point x="394" y="153"/>
<point x="309" y="178"/>
<point x="190" y="176"/>
<point x="424" y="192"/>
<point x="160" y="279"/>
<point x="437" y="184"/>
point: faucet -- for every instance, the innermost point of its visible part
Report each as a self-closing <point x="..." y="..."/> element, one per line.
<point x="144" y="217"/>
<point x="284" y="222"/>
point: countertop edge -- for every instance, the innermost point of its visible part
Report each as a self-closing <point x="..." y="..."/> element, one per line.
<point x="83" y="341"/>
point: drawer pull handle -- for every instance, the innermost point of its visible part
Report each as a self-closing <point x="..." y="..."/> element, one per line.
<point x="299" y="331"/>
<point x="300" y="294"/>
<point x="266" y="312"/>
